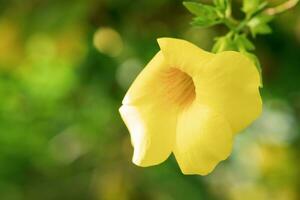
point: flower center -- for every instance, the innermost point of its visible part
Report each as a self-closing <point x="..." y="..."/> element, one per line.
<point x="179" y="87"/>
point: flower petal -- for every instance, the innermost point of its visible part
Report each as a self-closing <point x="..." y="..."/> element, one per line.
<point x="203" y="139"/>
<point x="150" y="118"/>
<point x="230" y="85"/>
<point x="147" y="85"/>
<point x="184" y="55"/>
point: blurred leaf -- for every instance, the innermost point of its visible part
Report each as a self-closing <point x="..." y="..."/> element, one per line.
<point x="223" y="43"/>
<point x="262" y="6"/>
<point x="243" y="42"/>
<point x="199" y="21"/>
<point x="206" y="15"/>
<point x="201" y="10"/>
<point x="259" y="25"/>
<point x="220" y="44"/>
<point x="261" y="29"/>
<point x="222" y="4"/>
<point x="249" y="6"/>
<point x="253" y="7"/>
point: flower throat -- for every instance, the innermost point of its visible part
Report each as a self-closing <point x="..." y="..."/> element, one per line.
<point x="179" y="87"/>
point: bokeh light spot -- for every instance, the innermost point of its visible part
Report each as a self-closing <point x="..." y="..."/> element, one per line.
<point x="127" y="72"/>
<point x="108" y="41"/>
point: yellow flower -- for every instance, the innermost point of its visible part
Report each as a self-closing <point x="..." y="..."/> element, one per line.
<point x="192" y="103"/>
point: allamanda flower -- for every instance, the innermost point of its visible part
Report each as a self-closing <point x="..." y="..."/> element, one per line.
<point x="191" y="103"/>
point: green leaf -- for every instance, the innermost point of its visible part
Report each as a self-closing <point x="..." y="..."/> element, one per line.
<point x="205" y="15"/>
<point x="255" y="60"/>
<point x="222" y="4"/>
<point x="223" y="7"/>
<point x="243" y="43"/>
<point x="259" y="24"/>
<point x="265" y="18"/>
<point x="223" y="43"/>
<point x="220" y="44"/>
<point x="200" y="21"/>
<point x="262" y="6"/>
<point x="261" y="29"/>
<point x="201" y="10"/>
<point x="250" y="6"/>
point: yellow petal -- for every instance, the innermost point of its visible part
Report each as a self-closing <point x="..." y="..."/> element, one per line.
<point x="149" y="116"/>
<point x="152" y="133"/>
<point x="230" y="85"/>
<point x="184" y="55"/>
<point x="147" y="84"/>
<point x="203" y="139"/>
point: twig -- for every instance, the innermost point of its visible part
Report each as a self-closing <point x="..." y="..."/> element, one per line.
<point x="282" y="7"/>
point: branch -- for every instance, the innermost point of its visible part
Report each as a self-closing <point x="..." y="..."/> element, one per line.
<point x="282" y="7"/>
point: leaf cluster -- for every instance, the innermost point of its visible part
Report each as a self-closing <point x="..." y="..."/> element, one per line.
<point x="255" y="22"/>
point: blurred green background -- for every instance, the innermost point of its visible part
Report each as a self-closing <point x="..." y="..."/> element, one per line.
<point x="61" y="136"/>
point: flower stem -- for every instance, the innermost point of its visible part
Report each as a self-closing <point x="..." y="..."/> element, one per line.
<point x="230" y="22"/>
<point x="237" y="26"/>
<point x="282" y="7"/>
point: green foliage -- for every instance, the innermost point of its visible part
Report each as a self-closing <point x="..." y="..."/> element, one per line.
<point x="222" y="4"/>
<point x="250" y="6"/>
<point x="243" y="43"/>
<point x="223" y="43"/>
<point x="233" y="42"/>
<point x="205" y="15"/>
<point x="259" y="24"/>
<point x="237" y="39"/>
